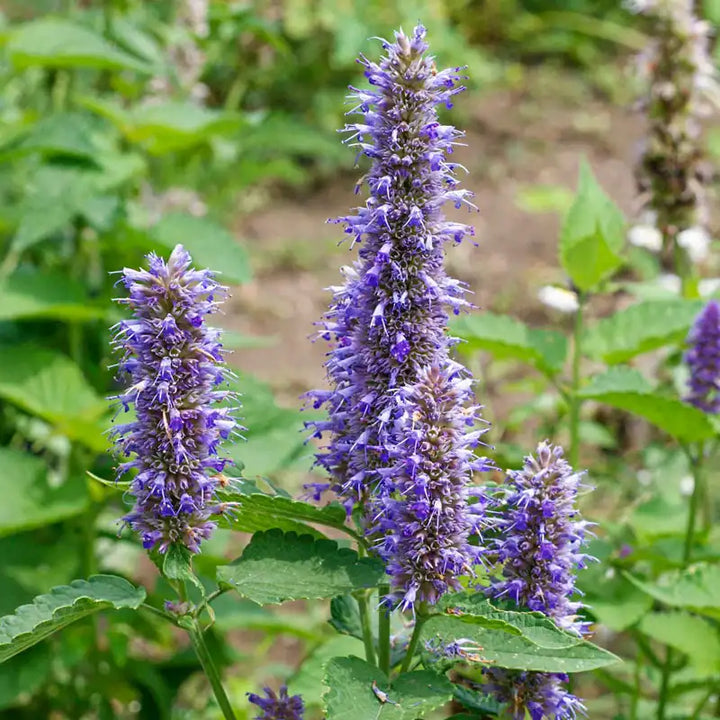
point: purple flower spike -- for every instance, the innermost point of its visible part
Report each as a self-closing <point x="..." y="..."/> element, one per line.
<point x="425" y="524"/>
<point x="278" y="706"/>
<point x="396" y="398"/>
<point x="174" y="363"/>
<point x="540" y="541"/>
<point x="703" y="360"/>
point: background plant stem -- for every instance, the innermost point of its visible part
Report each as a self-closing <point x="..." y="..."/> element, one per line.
<point x="384" y="632"/>
<point x="362" y="601"/>
<point x="417" y="630"/>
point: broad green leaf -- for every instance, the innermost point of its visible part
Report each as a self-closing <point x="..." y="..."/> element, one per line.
<point x="63" y="605"/>
<point x="28" y="501"/>
<point x="696" y="588"/>
<point x="177" y="565"/>
<point x="259" y="511"/>
<point x="506" y="650"/>
<point x="639" y="329"/>
<point x="626" y="389"/>
<point x="475" y="609"/>
<point x="278" y="566"/>
<point x="210" y="245"/>
<point x="475" y="700"/>
<point x="506" y="337"/>
<point x="615" y="602"/>
<point x="47" y="384"/>
<point x="694" y="636"/>
<point x="60" y="134"/>
<point x="35" y="294"/>
<point x="59" y="43"/>
<point x="308" y="681"/>
<point x="350" y="696"/>
<point x="592" y="236"/>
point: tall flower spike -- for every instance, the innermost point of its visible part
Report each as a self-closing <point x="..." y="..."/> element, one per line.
<point x="175" y="366"/>
<point x="703" y="359"/>
<point x="394" y="391"/>
<point x="682" y="90"/>
<point x="540" y="537"/>
<point x="278" y="706"/>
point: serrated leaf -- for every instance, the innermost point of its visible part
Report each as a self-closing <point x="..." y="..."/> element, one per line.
<point x="34" y="294"/>
<point x="507" y="337"/>
<point x="694" y="636"/>
<point x="350" y="693"/>
<point x="696" y="588"/>
<point x="63" y="605"/>
<point x="59" y="43"/>
<point x="639" y="329"/>
<point x="50" y="385"/>
<point x="278" y="566"/>
<point x="506" y="650"/>
<point x="259" y="511"/>
<point x="626" y="389"/>
<point x="209" y="244"/>
<point x="28" y="501"/>
<point x="473" y="608"/>
<point x="177" y="565"/>
<point x="592" y="235"/>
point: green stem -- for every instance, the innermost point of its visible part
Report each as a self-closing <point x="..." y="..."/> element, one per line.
<point x="211" y="671"/>
<point x="362" y="601"/>
<point x="665" y="684"/>
<point x="635" y="699"/>
<point x="417" y="630"/>
<point x="696" y="467"/>
<point x="158" y="612"/>
<point x="575" y="401"/>
<point x="384" y="632"/>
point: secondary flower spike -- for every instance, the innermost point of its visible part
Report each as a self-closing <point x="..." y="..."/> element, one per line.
<point x="174" y="364"/>
<point x="540" y="537"/>
<point x="703" y="360"/>
<point x="278" y="706"/>
<point x="387" y="321"/>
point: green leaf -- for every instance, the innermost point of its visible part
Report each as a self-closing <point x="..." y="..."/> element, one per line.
<point x="694" y="636"/>
<point x="592" y="236"/>
<point x="350" y="693"/>
<point x="278" y="566"/>
<point x="177" y="565"/>
<point x="626" y="389"/>
<point x="544" y="198"/>
<point x="639" y="329"/>
<point x="30" y="294"/>
<point x="63" y="605"/>
<point x="28" y="501"/>
<point x="60" y="134"/>
<point x="210" y="245"/>
<point x="260" y="511"/>
<point x="615" y="602"/>
<point x="507" y="650"/>
<point x="506" y="337"/>
<point x="345" y="616"/>
<point x="695" y="588"/>
<point x="59" y="43"/>
<point x="47" y="384"/>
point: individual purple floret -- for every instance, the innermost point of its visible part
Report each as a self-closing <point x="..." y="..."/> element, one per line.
<point x="703" y="360"/>
<point x="278" y="706"/>
<point x="540" y="537"/>
<point x="424" y="525"/>
<point x="387" y="322"/>
<point x="175" y="364"/>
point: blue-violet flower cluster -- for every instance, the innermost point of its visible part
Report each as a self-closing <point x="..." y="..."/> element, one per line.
<point x="703" y="359"/>
<point x="175" y="364"/>
<point x="540" y="537"/>
<point x="278" y="706"/>
<point x="396" y="402"/>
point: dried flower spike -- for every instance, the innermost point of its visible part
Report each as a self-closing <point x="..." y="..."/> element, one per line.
<point x="703" y="359"/>
<point x="278" y="706"/>
<point x="175" y="365"/>
<point x="540" y="537"/>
